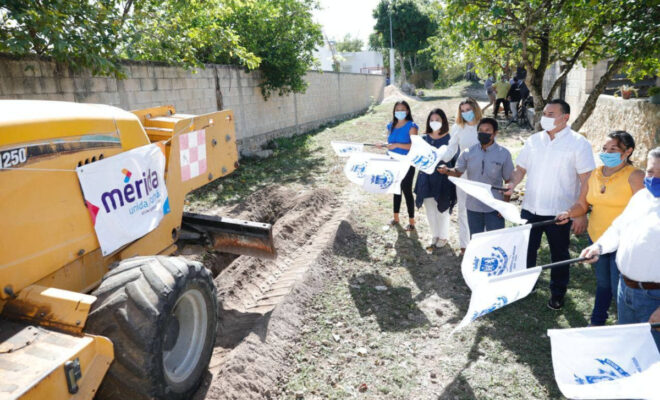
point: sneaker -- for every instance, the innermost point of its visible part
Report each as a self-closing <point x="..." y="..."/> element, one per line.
<point x="434" y="242"/>
<point x="555" y="303"/>
<point x="441" y="243"/>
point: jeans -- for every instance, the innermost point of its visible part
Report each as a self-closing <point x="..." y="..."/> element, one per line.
<point x="484" y="221"/>
<point x="636" y="306"/>
<point x="558" y="238"/>
<point x="406" y="190"/>
<point x="607" y="284"/>
<point x="513" y="105"/>
<point x="504" y="102"/>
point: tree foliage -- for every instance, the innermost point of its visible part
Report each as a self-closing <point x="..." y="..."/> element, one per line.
<point x="275" y="36"/>
<point x="349" y="44"/>
<point x="537" y="33"/>
<point x="412" y="25"/>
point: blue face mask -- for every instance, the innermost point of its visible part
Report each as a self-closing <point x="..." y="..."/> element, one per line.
<point x="653" y="185"/>
<point x="611" y="159"/>
<point x="468" y="116"/>
<point x="400" y="115"/>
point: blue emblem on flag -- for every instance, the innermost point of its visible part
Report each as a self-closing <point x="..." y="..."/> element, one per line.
<point x="348" y="149"/>
<point x="383" y="180"/>
<point x="424" y="162"/>
<point x="359" y="169"/>
<point x="499" y="303"/>
<point x="608" y="370"/>
<point x="493" y="265"/>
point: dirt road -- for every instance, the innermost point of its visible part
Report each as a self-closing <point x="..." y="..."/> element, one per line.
<point x="353" y="309"/>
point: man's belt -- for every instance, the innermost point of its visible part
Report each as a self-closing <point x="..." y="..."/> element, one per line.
<point x="640" y="285"/>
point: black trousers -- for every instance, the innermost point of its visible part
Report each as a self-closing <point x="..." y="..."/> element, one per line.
<point x="558" y="238"/>
<point x="406" y="190"/>
<point x="505" y="102"/>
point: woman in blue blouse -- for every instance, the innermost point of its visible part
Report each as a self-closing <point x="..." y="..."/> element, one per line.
<point x="398" y="141"/>
<point x="435" y="191"/>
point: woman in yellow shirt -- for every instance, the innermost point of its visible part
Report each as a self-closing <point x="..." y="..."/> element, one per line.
<point x="607" y="192"/>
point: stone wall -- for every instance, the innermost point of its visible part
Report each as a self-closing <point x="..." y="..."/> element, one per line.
<point x="330" y="96"/>
<point x="580" y="82"/>
<point x="638" y="117"/>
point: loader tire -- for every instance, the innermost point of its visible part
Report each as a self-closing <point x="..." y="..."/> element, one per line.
<point x="161" y="315"/>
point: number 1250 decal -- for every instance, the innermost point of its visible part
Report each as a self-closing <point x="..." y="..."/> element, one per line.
<point x="11" y="158"/>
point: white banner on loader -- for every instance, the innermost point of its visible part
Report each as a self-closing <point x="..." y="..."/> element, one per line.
<point x="498" y="292"/>
<point x="481" y="191"/>
<point x="126" y="195"/>
<point x="609" y="362"/>
<point x="384" y="176"/>
<point x="423" y="156"/>
<point x="495" y="253"/>
<point x="345" y="149"/>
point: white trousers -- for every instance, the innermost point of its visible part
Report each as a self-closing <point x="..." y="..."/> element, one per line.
<point x="463" y="227"/>
<point x="438" y="222"/>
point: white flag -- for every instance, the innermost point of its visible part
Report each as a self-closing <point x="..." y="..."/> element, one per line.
<point x="481" y="191"/>
<point x="345" y="149"/>
<point x="396" y="156"/>
<point x="384" y="176"/>
<point x="495" y="253"/>
<point x="610" y="362"/>
<point x="498" y="292"/>
<point x="423" y="156"/>
<point x="356" y="165"/>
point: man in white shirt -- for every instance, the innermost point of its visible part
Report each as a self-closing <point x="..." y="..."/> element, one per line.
<point x="635" y="235"/>
<point x="557" y="162"/>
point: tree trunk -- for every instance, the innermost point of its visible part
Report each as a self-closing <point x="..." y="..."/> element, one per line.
<point x="404" y="79"/>
<point x="590" y="103"/>
<point x="412" y="67"/>
<point x="536" y="78"/>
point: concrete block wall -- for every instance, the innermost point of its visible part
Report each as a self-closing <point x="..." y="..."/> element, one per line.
<point x="329" y="96"/>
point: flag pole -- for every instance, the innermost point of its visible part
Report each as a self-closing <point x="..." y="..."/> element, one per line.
<point x="544" y="223"/>
<point x="565" y="262"/>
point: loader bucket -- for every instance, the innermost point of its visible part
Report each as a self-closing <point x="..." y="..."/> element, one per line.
<point x="229" y="235"/>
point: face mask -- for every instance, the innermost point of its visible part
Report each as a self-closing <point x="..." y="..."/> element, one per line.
<point x="484" y="138"/>
<point x="547" y="123"/>
<point x="468" y="115"/>
<point x="400" y="115"/>
<point x="653" y="185"/>
<point x="610" y="159"/>
<point x="435" y="125"/>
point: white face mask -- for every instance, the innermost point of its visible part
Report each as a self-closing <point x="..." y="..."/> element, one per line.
<point x="435" y="125"/>
<point x="547" y="123"/>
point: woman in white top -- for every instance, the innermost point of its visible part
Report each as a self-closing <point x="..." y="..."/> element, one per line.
<point x="462" y="136"/>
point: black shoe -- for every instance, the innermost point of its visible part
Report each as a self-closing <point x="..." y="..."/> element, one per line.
<point x="556" y="303"/>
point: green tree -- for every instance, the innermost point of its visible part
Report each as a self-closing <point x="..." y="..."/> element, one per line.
<point x="349" y="44"/>
<point x="412" y="25"/>
<point x="538" y="33"/>
<point x="275" y="36"/>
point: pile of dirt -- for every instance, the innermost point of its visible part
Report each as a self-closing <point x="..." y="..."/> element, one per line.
<point x="392" y="94"/>
<point x="263" y="300"/>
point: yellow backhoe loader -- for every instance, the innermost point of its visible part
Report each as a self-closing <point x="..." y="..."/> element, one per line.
<point x="133" y="323"/>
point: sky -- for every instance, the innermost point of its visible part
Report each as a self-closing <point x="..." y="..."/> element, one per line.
<point x="339" y="17"/>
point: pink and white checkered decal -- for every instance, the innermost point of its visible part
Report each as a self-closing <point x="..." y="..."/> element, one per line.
<point x="192" y="152"/>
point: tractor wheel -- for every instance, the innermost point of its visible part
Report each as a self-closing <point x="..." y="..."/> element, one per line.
<point x="161" y="315"/>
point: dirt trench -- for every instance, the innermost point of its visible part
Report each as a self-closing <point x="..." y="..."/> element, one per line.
<point x="263" y="300"/>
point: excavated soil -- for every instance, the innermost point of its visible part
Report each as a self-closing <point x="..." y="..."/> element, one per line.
<point x="262" y="300"/>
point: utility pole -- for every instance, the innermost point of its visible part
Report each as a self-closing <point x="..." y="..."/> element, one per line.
<point x="392" y="65"/>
